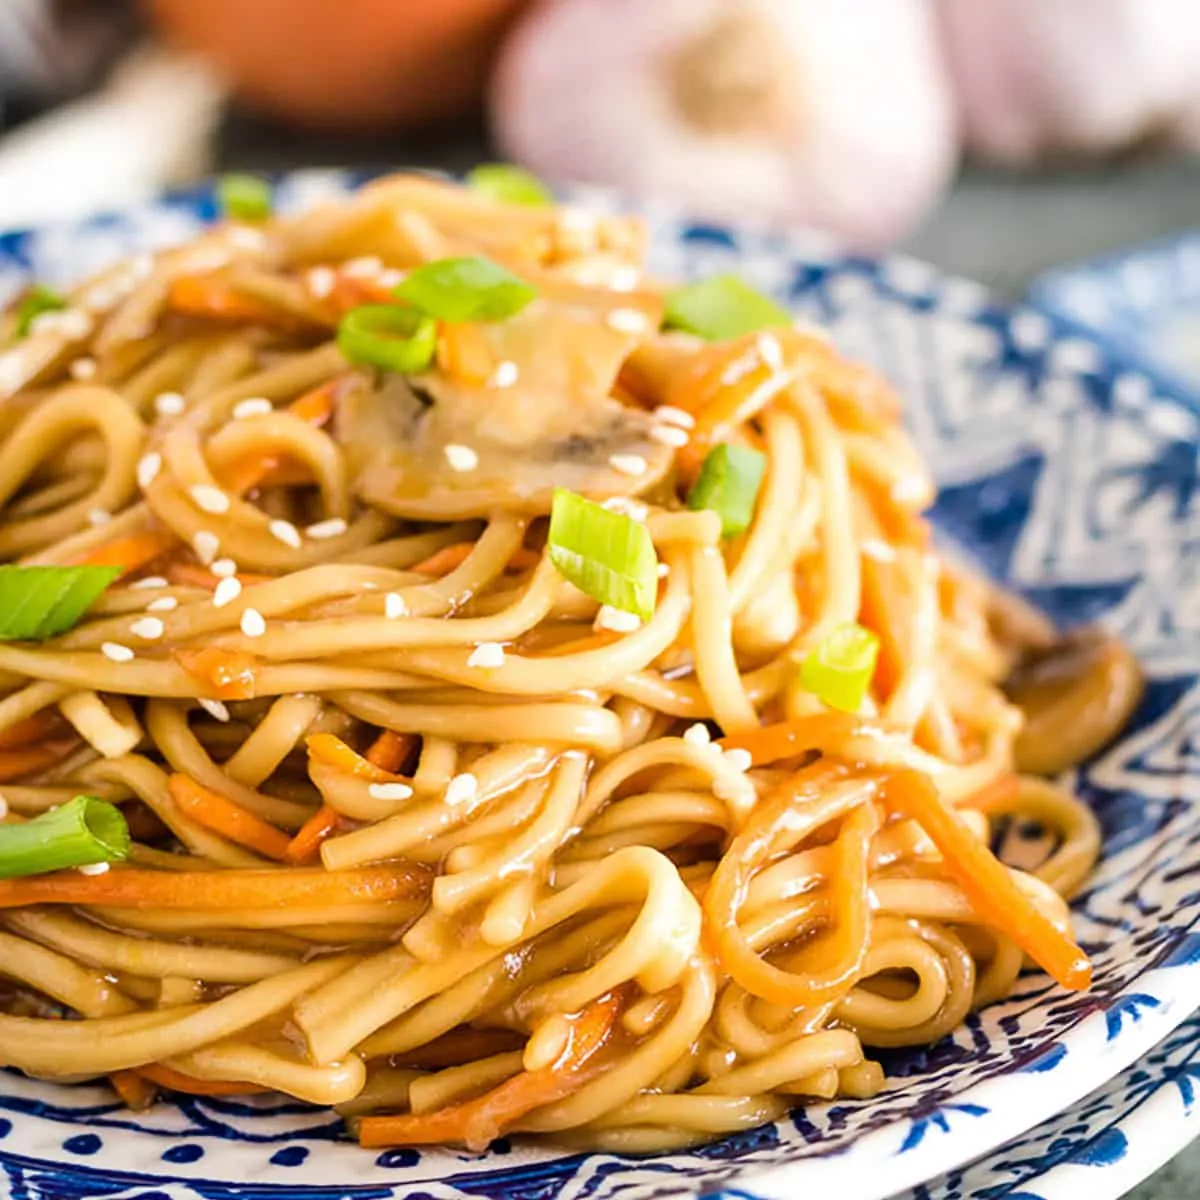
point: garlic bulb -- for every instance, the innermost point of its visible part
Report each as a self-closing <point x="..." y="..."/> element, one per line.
<point x="789" y="111"/>
<point x="1044" y="77"/>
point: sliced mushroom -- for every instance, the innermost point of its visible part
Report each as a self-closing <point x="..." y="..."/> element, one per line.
<point x="433" y="447"/>
<point x="1076" y="694"/>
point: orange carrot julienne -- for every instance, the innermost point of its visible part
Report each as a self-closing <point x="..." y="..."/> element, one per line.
<point x="391" y="750"/>
<point x="190" y="575"/>
<point x="329" y="749"/>
<point x="24" y="760"/>
<point x="131" y="552"/>
<point x="227" y="674"/>
<point x="480" y="1121"/>
<point x="463" y="353"/>
<point x="306" y="843"/>
<point x="135" y="887"/>
<point x="223" y="816"/>
<point x="448" y="558"/>
<point x="33" y="729"/>
<point x="177" y="1081"/>
<point x="790" y="738"/>
<point x="1000" y="791"/>
<point x="987" y="883"/>
<point x="136" y="1092"/>
<point x="596" y="641"/>
<point x="213" y="297"/>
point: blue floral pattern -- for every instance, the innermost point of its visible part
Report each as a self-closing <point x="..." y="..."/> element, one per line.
<point x="1064" y="471"/>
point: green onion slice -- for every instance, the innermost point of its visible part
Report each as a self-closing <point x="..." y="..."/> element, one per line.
<point x="42" y="602"/>
<point x="465" y="289"/>
<point x="606" y="554"/>
<point x="387" y="336"/>
<point x="720" y="308"/>
<point x="509" y="184"/>
<point x="839" y="670"/>
<point x="728" y="483"/>
<point x="244" y="197"/>
<point x="39" y="299"/>
<point x="80" y="833"/>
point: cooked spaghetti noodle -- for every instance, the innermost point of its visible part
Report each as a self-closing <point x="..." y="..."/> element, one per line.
<point x="423" y="831"/>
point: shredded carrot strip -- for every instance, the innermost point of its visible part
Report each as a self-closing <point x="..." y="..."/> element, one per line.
<point x="306" y="844"/>
<point x="134" y="887"/>
<point x="350" y="291"/>
<point x="132" y="552"/>
<point x="449" y="558"/>
<point x="227" y="674"/>
<point x="135" y="1091"/>
<point x="391" y="750"/>
<point x="1000" y="791"/>
<point x="986" y="881"/>
<point x="597" y="641"/>
<point x="33" y="729"/>
<point x="177" y="1081"/>
<point x="329" y="749"/>
<point x="215" y="298"/>
<point x="221" y="815"/>
<point x="481" y="1120"/>
<point x="190" y="575"/>
<point x="463" y="1044"/>
<point x="25" y="760"/>
<point x="790" y="738"/>
<point x="315" y="407"/>
<point x="463" y="353"/>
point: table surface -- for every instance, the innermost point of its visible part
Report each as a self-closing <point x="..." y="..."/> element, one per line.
<point x="999" y="228"/>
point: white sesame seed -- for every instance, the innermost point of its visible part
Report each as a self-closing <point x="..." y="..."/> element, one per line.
<point x="505" y="375"/>
<point x="252" y="406"/>
<point x="206" y="545"/>
<point x="99" y="516"/>
<point x="100" y="868"/>
<point x="285" y="532"/>
<point x="739" y="791"/>
<point x="616" y="620"/>
<point x="697" y="735"/>
<point x="669" y="435"/>
<point x="487" y="654"/>
<point x="148" y="468"/>
<point x="770" y="351"/>
<point x="628" y="464"/>
<point x="668" y="414"/>
<point x="169" y="404"/>
<point x="223" y="568"/>
<point x="332" y="528"/>
<point x="739" y="759"/>
<point x="627" y="320"/>
<point x="83" y="368"/>
<point x="389" y="791"/>
<point x="151" y="581"/>
<point x="365" y="267"/>
<point x="148" y="628"/>
<point x="878" y="549"/>
<point x="226" y="591"/>
<point x="461" y="458"/>
<point x="214" y="708"/>
<point x="253" y="624"/>
<point x="116" y="652"/>
<point x="394" y="606"/>
<point x="210" y="499"/>
<point x="462" y="789"/>
<point x="321" y="281"/>
<point x="634" y="509"/>
<point x="908" y="490"/>
<point x="163" y="604"/>
<point x="662" y="570"/>
<point x="624" y="278"/>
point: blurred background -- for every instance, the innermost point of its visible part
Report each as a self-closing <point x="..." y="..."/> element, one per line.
<point x="996" y="139"/>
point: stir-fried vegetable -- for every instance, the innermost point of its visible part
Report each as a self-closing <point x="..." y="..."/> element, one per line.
<point x="81" y="833"/>
<point x="42" y="602"/>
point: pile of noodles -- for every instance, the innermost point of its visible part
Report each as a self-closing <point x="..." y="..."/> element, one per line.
<point x="552" y="900"/>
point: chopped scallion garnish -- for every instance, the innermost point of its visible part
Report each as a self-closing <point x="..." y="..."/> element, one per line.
<point x="720" y="308"/>
<point x="606" y="554"/>
<point x="839" y="670"/>
<point x="509" y="184"/>
<point x="42" y="602"/>
<point x="388" y="336"/>
<point x="244" y="197"/>
<point x="37" y="300"/>
<point x="465" y="289"/>
<point x="80" y="833"/>
<point x="728" y="484"/>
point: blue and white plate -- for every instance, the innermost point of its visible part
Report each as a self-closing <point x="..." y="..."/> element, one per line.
<point x="1062" y="471"/>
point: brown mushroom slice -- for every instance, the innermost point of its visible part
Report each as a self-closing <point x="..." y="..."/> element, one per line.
<point x="436" y="448"/>
<point x="1077" y="694"/>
